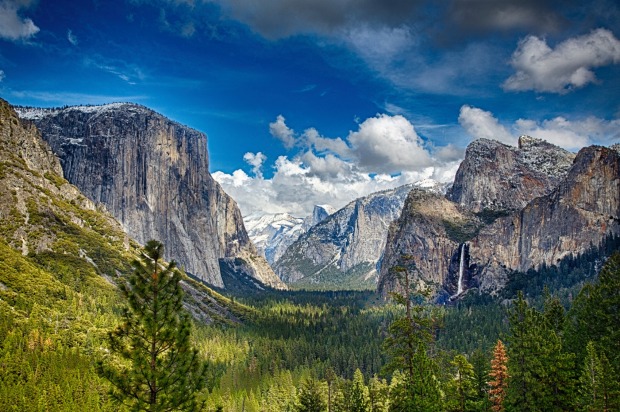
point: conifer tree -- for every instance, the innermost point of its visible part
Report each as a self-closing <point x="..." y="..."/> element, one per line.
<point x="159" y="370"/>
<point x="541" y="374"/>
<point x="359" y="393"/>
<point x="408" y="344"/>
<point x="499" y="377"/>
<point x="481" y="363"/>
<point x="310" y="397"/>
<point x="594" y="315"/>
<point x="461" y="390"/>
<point x="377" y="394"/>
<point x="598" y="385"/>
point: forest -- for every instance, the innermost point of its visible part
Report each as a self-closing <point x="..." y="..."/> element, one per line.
<point x="550" y="342"/>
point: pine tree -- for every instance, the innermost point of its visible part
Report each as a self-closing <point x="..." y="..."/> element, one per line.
<point x="310" y="397"/>
<point x="499" y="375"/>
<point x="594" y="315"/>
<point x="165" y="372"/>
<point x="359" y="393"/>
<point x="408" y="345"/>
<point x="481" y="363"/>
<point x="598" y="386"/>
<point x="541" y="374"/>
<point x="377" y="393"/>
<point x="461" y="390"/>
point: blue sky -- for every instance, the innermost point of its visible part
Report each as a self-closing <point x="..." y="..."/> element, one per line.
<point x="321" y="101"/>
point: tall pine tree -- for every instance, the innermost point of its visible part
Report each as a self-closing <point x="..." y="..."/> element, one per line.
<point x="408" y="345"/>
<point x="158" y="368"/>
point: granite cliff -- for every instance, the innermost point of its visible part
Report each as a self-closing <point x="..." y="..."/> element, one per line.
<point x="429" y="230"/>
<point x="497" y="177"/>
<point x="152" y="175"/>
<point x="581" y="211"/>
<point x="510" y="209"/>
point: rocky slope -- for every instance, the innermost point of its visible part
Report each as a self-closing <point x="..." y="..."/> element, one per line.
<point x="272" y="234"/>
<point x="498" y="177"/>
<point x="565" y="210"/>
<point x="152" y="175"/>
<point x="344" y="250"/>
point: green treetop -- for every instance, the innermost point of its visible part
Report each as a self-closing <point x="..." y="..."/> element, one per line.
<point x="158" y="368"/>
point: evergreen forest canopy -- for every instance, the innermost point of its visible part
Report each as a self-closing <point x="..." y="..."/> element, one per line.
<point x="534" y="348"/>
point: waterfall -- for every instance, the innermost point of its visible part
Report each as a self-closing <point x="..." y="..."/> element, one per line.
<point x="459" y="289"/>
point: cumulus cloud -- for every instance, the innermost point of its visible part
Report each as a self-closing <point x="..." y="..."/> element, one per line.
<point x="569" y="134"/>
<point x="256" y="161"/>
<point x="565" y="68"/>
<point x="481" y="124"/>
<point x="388" y="144"/>
<point x="282" y="132"/>
<point x="12" y="25"/>
<point x="384" y="152"/>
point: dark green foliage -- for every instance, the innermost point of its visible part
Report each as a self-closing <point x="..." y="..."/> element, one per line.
<point x="566" y="277"/>
<point x="541" y="374"/>
<point x="159" y="371"/>
<point x="310" y="397"/>
<point x="595" y="315"/>
<point x="599" y="389"/>
<point x="461" y="231"/>
<point x="489" y="216"/>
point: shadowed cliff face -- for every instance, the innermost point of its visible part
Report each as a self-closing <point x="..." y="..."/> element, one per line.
<point x="152" y="174"/>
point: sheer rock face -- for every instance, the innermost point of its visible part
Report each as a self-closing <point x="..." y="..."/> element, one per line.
<point x="152" y="175"/>
<point x="422" y="233"/>
<point x="499" y="177"/>
<point x="344" y="249"/>
<point x="582" y="210"/>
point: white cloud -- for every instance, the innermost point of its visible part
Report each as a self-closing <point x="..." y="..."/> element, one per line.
<point x="281" y="131"/>
<point x="12" y="25"/>
<point x="569" y="134"/>
<point x="256" y="161"/>
<point x="384" y="152"/>
<point x="481" y="124"/>
<point x="573" y="134"/>
<point x="388" y="144"/>
<point x="565" y="68"/>
<point x="2" y="75"/>
<point x="72" y="38"/>
<point x="313" y="139"/>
